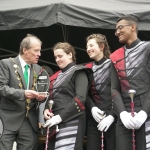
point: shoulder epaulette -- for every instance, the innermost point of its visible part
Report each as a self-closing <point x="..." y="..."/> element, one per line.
<point x="89" y="65"/>
<point x="54" y="76"/>
<point x="118" y="54"/>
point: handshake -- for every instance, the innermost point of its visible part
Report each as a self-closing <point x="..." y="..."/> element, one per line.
<point x="100" y="117"/>
<point x="133" y="122"/>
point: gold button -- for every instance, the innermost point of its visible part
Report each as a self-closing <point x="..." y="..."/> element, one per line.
<point x="77" y="107"/>
<point x="78" y="110"/>
<point x="76" y="104"/>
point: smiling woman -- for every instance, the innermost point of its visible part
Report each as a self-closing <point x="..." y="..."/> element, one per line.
<point x="101" y="117"/>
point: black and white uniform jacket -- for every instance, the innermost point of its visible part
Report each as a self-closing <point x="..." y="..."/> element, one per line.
<point x="68" y="103"/>
<point x="100" y="89"/>
<point x="131" y="70"/>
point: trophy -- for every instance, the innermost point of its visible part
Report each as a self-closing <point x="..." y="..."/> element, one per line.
<point x="131" y="94"/>
<point x="1" y="128"/>
<point x="42" y="83"/>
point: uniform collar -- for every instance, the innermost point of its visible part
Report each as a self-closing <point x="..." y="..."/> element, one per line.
<point x="133" y="43"/>
<point x="22" y="62"/>
<point x="68" y="66"/>
<point x="100" y="61"/>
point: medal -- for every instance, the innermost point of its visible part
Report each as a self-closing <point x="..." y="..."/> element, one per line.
<point x="15" y="66"/>
<point x="18" y="78"/>
<point x="28" y="106"/>
<point x="20" y="85"/>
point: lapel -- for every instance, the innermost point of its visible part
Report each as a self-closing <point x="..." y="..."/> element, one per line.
<point x="20" y="71"/>
<point x="31" y="77"/>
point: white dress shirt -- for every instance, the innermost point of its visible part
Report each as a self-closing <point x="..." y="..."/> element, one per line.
<point x="23" y="63"/>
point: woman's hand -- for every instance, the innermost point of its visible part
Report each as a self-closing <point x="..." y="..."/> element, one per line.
<point x="47" y="114"/>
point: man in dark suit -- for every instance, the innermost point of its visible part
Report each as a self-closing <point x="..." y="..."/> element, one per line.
<point x="18" y="98"/>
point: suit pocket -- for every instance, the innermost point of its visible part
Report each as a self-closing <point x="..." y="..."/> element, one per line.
<point x="8" y="107"/>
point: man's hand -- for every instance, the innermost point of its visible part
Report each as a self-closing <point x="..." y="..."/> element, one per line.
<point x="53" y="121"/>
<point x="47" y="114"/>
<point x="97" y="114"/>
<point x="105" y="123"/>
<point x="126" y="119"/>
<point x="139" y="119"/>
<point x="41" y="97"/>
<point x="31" y="94"/>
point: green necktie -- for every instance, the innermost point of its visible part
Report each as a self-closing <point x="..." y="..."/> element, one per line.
<point x="26" y="74"/>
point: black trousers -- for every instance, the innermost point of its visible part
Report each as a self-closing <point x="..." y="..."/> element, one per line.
<point x="124" y="137"/>
<point x="26" y="137"/>
<point x="94" y="138"/>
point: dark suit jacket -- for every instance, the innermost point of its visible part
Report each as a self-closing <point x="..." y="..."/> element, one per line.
<point x="12" y="100"/>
